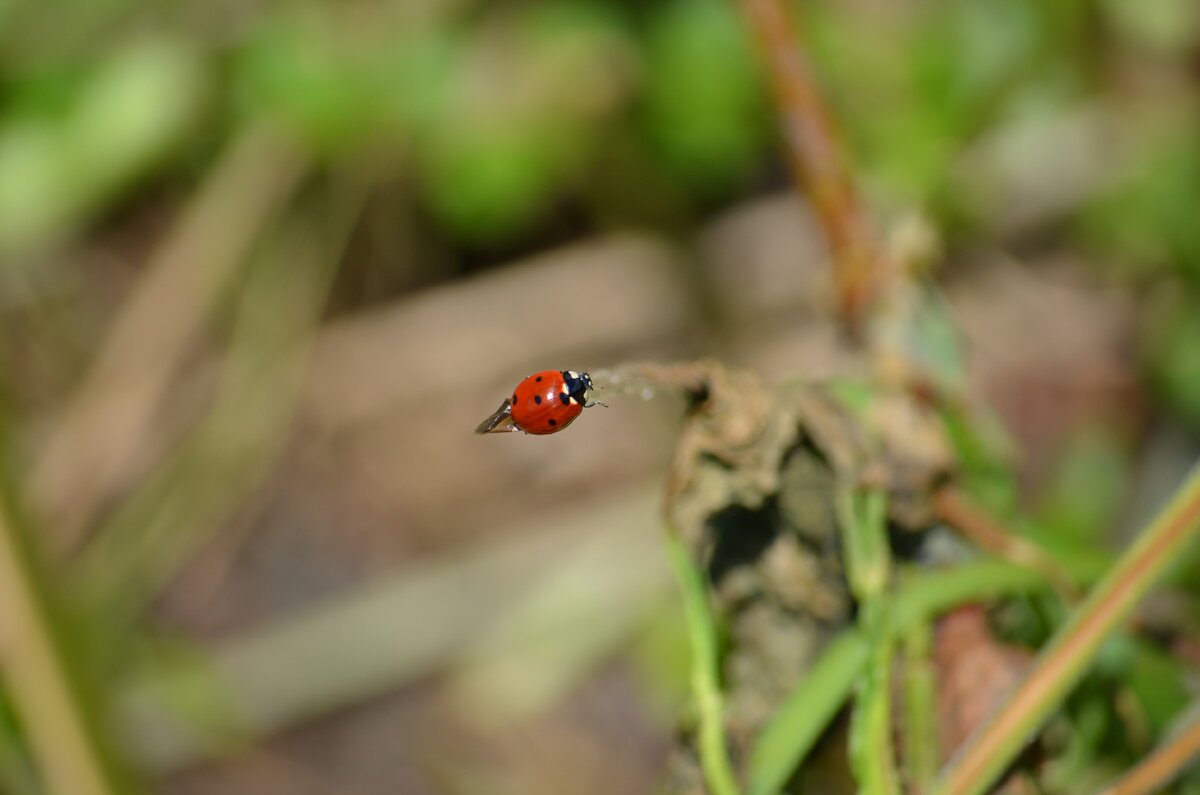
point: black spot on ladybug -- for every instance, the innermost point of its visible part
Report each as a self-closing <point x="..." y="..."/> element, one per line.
<point x="538" y="379"/>
<point x="564" y="397"/>
<point x="537" y="399"/>
<point x="553" y="423"/>
<point x="514" y="398"/>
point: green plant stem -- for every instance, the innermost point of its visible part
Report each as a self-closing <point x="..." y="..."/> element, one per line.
<point x="1064" y="660"/>
<point x="862" y="518"/>
<point x="62" y="725"/>
<point x="920" y="756"/>
<point x="872" y="756"/>
<point x="806" y="712"/>
<point x="705" y="678"/>
<point x="924" y="594"/>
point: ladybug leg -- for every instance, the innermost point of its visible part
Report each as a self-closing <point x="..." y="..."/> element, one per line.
<point x="591" y="403"/>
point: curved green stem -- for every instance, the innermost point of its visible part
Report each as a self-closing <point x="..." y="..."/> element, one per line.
<point x="705" y="676"/>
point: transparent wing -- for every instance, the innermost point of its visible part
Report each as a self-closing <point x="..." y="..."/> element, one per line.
<point x="500" y="422"/>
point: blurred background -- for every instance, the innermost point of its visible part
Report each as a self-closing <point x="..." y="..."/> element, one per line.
<point x="264" y="265"/>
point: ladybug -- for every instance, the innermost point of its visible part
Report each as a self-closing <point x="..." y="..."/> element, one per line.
<point x="543" y="403"/>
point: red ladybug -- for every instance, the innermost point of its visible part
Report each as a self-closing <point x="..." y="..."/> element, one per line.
<point x="545" y="402"/>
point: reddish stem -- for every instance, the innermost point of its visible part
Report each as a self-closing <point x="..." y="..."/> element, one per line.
<point x="816" y="160"/>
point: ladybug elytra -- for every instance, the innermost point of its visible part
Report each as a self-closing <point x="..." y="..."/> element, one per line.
<point x="543" y="403"/>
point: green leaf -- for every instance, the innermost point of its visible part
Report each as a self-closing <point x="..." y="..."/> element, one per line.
<point x="805" y="714"/>
<point x="1158" y="682"/>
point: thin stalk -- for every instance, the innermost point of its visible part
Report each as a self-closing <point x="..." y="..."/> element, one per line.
<point x="705" y="677"/>
<point x="1065" y="659"/>
<point x="919" y="598"/>
<point x="920" y="743"/>
<point x="62" y="723"/>
<point x="815" y="155"/>
<point x="872" y="755"/>
<point x="862" y="517"/>
<point x="1168" y="761"/>
<point x="960" y="512"/>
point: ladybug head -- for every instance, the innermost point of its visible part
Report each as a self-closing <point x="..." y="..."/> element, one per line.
<point x="577" y="385"/>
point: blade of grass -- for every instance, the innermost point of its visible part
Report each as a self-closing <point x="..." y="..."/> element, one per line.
<point x="221" y="463"/>
<point x="808" y="709"/>
<point x="924" y="594"/>
<point x="100" y="435"/>
<point x="1064" y="660"/>
<point x="803" y="717"/>
<point x="58" y="711"/>
<point x="17" y="773"/>
<point x="705" y="677"/>
<point x="1167" y="761"/>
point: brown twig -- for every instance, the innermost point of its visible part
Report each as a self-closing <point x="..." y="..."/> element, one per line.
<point x="817" y="161"/>
<point x="961" y="513"/>
<point x="1153" y="773"/>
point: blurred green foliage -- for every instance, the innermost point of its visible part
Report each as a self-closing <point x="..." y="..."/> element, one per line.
<point x="17" y="773"/>
<point x="704" y="107"/>
<point x="497" y="115"/>
<point x="1082" y="497"/>
<point x="497" y="119"/>
<point x="71" y="140"/>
